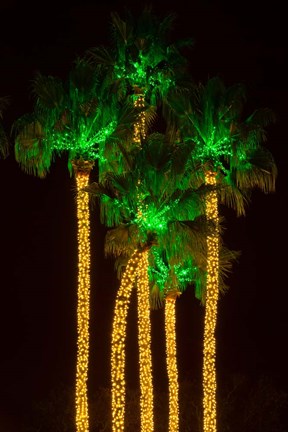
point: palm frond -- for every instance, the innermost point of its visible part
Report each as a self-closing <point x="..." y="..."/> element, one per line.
<point x="101" y="55"/>
<point x="121" y="241"/>
<point x="227" y="258"/>
<point x="188" y="238"/>
<point x="232" y="196"/>
<point x="48" y="91"/>
<point x="156" y="297"/>
<point x="32" y="151"/>
<point x="122" y="30"/>
<point x="4" y="141"/>
<point x="257" y="171"/>
<point x="262" y="117"/>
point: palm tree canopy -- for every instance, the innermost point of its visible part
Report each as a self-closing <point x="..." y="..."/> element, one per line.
<point x="146" y="194"/>
<point x="142" y="56"/>
<point x="211" y="121"/>
<point x="156" y="213"/>
<point x="77" y="116"/>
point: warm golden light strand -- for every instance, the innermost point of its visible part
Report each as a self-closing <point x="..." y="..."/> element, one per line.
<point x="140" y="125"/>
<point x="144" y="325"/>
<point x="144" y="341"/>
<point x="82" y="418"/>
<point x="171" y="361"/>
<point x="212" y="292"/>
<point x="118" y="343"/>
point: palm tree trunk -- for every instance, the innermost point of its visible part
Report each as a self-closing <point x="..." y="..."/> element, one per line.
<point x="143" y="293"/>
<point x="140" y="125"/>
<point x="118" y="342"/>
<point x="144" y="341"/>
<point x="82" y="171"/>
<point x="212" y="292"/>
<point x="171" y="361"/>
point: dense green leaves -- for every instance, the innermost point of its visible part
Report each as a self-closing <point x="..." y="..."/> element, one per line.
<point x="211" y="121"/>
<point x="142" y="55"/>
<point x="77" y="117"/>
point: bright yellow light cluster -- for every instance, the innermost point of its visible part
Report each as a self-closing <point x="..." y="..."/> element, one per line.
<point x="118" y="343"/>
<point x="212" y="291"/>
<point x="140" y="125"/>
<point x="171" y="360"/>
<point x="82" y="418"/>
<point x="144" y="342"/>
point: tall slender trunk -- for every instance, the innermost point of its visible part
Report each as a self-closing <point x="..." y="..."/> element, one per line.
<point x="118" y="342"/>
<point x="212" y="293"/>
<point x="171" y="361"/>
<point x="144" y="342"/>
<point x="82" y="171"/>
<point x="143" y="294"/>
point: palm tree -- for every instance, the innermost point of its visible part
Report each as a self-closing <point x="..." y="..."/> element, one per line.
<point x="169" y="277"/>
<point x="143" y="217"/>
<point x="77" y="118"/>
<point x="4" y="143"/>
<point x="142" y="57"/>
<point x="212" y="122"/>
<point x="146" y="66"/>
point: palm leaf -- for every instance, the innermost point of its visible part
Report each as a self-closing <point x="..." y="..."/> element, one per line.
<point x="121" y="241"/>
<point x="4" y="142"/>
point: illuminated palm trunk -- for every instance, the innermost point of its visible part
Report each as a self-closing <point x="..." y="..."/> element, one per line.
<point x="171" y="361"/>
<point x="82" y="171"/>
<point x="144" y="342"/>
<point x="140" y="125"/>
<point x="143" y="293"/>
<point x="118" y="342"/>
<point x="212" y="292"/>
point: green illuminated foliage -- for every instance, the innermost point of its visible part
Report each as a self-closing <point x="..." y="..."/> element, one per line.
<point x="142" y="56"/>
<point x="210" y="119"/>
<point x="77" y="117"/>
<point x="147" y="206"/>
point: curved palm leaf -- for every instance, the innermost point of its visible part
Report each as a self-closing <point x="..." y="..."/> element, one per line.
<point x="4" y="142"/>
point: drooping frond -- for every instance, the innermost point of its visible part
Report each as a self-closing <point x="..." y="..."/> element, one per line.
<point x="48" y="92"/>
<point x="123" y="30"/>
<point x="156" y="297"/>
<point x="257" y="170"/>
<point x="188" y="237"/>
<point x="232" y="196"/>
<point x="4" y="142"/>
<point x="32" y="151"/>
<point x="121" y="241"/>
<point x="227" y="258"/>
<point x="261" y="117"/>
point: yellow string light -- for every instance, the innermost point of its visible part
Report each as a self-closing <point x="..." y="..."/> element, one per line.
<point x="171" y="361"/>
<point x="118" y="343"/>
<point x="140" y="125"/>
<point x="144" y="342"/>
<point x="212" y="292"/>
<point x="82" y="418"/>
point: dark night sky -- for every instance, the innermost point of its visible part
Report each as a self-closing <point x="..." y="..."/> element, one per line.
<point x="38" y="242"/>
